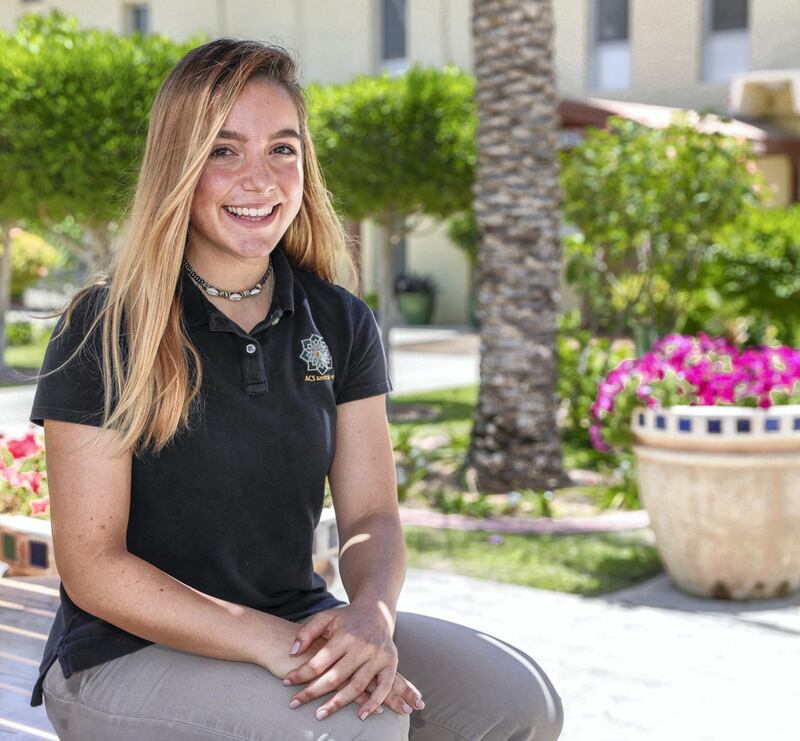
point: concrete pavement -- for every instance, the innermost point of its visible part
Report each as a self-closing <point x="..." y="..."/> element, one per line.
<point x="644" y="664"/>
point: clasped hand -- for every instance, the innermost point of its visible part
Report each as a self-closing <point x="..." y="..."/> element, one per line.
<point x="358" y="657"/>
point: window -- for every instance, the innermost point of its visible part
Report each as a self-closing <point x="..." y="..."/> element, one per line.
<point x="610" y="60"/>
<point x="728" y="15"/>
<point x="726" y="39"/>
<point x="137" y="18"/>
<point x="393" y="55"/>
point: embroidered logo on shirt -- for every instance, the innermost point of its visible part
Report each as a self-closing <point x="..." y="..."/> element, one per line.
<point x="317" y="357"/>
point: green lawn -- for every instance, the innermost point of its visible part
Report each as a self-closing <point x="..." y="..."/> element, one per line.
<point x="25" y="359"/>
<point x="25" y="356"/>
<point x="590" y="564"/>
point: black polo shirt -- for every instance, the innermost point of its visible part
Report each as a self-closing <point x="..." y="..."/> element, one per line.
<point x="229" y="507"/>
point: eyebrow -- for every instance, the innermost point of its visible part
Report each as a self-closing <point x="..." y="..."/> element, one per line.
<point x="227" y="134"/>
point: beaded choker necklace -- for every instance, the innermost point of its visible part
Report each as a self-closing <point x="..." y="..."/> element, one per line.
<point x="232" y="295"/>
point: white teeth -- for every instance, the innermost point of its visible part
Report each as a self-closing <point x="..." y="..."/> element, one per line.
<point x="251" y="212"/>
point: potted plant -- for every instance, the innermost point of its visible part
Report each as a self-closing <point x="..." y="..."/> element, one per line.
<point x="715" y="430"/>
<point x="415" y="294"/>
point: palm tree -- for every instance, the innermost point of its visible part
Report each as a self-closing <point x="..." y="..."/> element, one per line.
<point x="515" y="439"/>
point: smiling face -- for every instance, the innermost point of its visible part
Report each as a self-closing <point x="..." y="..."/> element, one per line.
<point x="255" y="165"/>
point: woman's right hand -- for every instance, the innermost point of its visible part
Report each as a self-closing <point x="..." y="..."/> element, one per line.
<point x="402" y="695"/>
<point x="279" y="663"/>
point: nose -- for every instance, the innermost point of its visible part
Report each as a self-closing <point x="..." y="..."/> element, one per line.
<point x="258" y="176"/>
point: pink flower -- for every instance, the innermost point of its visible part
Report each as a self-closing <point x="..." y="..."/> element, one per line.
<point x="24" y="446"/>
<point x="39" y="506"/>
<point x="702" y="370"/>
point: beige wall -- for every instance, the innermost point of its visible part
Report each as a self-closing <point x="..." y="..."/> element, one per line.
<point x="101" y="13"/>
<point x="571" y="45"/>
<point x="666" y="48"/>
<point x="337" y="39"/>
<point x="431" y="252"/>
<point x="776" y="34"/>
<point x="777" y="171"/>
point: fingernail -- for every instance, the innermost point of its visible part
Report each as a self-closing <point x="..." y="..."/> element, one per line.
<point x="419" y="704"/>
<point x="321" y="714"/>
<point x="295" y="646"/>
<point x="364" y="714"/>
<point x="294" y="704"/>
<point x="379" y="710"/>
<point x="407" y="708"/>
<point x="287" y="682"/>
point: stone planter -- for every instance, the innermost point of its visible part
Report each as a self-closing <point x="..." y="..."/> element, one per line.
<point x="27" y="546"/>
<point x="721" y="486"/>
<point x="416" y="307"/>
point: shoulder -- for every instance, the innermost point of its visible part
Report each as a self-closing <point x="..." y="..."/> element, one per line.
<point x="333" y="300"/>
<point x="84" y="306"/>
<point x="78" y="326"/>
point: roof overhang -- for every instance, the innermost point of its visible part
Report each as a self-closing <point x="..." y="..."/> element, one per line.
<point x="765" y="137"/>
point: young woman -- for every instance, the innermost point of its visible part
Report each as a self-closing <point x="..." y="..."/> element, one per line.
<point x="195" y="398"/>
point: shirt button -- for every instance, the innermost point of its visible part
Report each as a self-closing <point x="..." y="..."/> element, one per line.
<point x="251" y="348"/>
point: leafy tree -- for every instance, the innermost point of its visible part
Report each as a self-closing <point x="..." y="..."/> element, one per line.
<point x="396" y="149"/>
<point x="748" y="286"/>
<point x="31" y="258"/>
<point x="73" y="118"/>
<point x="647" y="203"/>
<point x="73" y="126"/>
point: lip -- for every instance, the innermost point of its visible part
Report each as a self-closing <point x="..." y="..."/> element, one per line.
<point x="245" y="222"/>
<point x="250" y="205"/>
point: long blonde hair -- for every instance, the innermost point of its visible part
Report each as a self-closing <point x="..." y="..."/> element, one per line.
<point x="161" y="373"/>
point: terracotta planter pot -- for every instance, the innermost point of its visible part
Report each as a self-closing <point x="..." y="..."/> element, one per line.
<point x="722" y="488"/>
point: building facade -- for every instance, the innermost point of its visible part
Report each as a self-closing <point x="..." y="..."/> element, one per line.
<point x="699" y="54"/>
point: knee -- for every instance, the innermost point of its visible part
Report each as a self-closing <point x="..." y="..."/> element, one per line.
<point x="531" y="717"/>
<point x="549" y="729"/>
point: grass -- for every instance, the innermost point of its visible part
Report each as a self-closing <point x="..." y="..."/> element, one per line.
<point x="589" y="565"/>
<point x="453" y="409"/>
<point x="24" y="359"/>
<point x="25" y="356"/>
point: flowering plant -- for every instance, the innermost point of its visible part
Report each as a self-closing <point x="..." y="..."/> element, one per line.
<point x="23" y="479"/>
<point x="702" y="370"/>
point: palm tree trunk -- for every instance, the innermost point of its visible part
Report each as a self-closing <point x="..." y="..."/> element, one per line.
<point x="515" y="439"/>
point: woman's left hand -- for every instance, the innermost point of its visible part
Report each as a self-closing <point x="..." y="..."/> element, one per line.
<point x="359" y="648"/>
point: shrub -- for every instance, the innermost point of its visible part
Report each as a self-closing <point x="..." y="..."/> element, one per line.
<point x="19" y="333"/>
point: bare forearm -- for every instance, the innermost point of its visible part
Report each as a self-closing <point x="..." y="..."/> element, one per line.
<point x="372" y="562"/>
<point x="134" y="595"/>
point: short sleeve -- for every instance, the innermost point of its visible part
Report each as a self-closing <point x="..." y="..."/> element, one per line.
<point x="75" y="392"/>
<point x="366" y="372"/>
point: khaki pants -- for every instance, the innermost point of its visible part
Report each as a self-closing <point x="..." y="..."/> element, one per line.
<point x="475" y="687"/>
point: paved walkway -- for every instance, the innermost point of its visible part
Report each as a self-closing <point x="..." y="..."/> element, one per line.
<point x="612" y="521"/>
<point x="645" y="664"/>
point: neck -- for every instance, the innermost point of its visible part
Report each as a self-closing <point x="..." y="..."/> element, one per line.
<point x="232" y="274"/>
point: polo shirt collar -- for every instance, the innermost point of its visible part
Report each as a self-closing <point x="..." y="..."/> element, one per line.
<point x="197" y="309"/>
